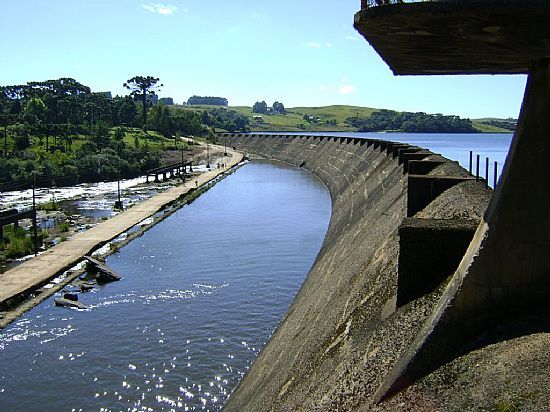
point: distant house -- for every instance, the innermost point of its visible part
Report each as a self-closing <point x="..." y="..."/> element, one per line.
<point x="108" y="95"/>
<point x="257" y="118"/>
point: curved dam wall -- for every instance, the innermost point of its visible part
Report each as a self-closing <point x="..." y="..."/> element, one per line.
<point x="401" y="221"/>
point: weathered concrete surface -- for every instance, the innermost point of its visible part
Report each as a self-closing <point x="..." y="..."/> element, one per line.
<point x="28" y="276"/>
<point x="508" y="375"/>
<point x="506" y="271"/>
<point x="423" y="263"/>
<point x="343" y="332"/>
<point x="458" y="36"/>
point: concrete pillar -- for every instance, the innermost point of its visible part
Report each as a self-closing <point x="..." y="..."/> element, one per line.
<point x="421" y="167"/>
<point x="512" y="271"/>
<point x="422" y="190"/>
<point x="429" y="251"/>
<point x="506" y="270"/>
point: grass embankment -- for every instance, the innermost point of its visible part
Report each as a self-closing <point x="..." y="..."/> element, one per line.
<point x="487" y="128"/>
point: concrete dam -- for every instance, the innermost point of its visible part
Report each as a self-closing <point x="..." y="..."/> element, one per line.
<point x="429" y="292"/>
<point x="402" y="220"/>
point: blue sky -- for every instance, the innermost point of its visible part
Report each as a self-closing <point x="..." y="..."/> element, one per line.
<point x="298" y="52"/>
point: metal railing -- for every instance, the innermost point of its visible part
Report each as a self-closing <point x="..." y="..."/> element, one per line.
<point x="478" y="164"/>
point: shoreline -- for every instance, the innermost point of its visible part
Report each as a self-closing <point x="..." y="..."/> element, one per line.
<point x="18" y="285"/>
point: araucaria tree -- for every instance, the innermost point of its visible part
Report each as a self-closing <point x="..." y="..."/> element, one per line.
<point x="143" y="86"/>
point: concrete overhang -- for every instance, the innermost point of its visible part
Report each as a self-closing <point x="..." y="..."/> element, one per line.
<point x="458" y="37"/>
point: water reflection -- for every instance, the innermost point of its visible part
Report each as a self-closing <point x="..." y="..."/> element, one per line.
<point x="201" y="293"/>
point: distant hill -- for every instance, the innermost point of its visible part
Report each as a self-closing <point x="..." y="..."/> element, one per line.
<point x="318" y="119"/>
<point x="331" y="118"/>
<point x="495" y="125"/>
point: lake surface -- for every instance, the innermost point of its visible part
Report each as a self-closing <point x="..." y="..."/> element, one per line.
<point x="201" y="293"/>
<point x="454" y="146"/>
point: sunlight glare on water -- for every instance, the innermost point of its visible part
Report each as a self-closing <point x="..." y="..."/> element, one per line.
<point x="201" y="293"/>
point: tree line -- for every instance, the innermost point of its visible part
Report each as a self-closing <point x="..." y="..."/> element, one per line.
<point x="262" y="108"/>
<point x="207" y="100"/>
<point x="385" y="120"/>
<point x="64" y="131"/>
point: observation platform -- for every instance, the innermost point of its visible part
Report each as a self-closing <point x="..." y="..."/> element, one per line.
<point x="458" y="36"/>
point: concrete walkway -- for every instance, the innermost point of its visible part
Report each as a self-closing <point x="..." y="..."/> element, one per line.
<point x="40" y="269"/>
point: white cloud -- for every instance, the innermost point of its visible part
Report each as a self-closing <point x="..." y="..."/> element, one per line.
<point x="353" y="38"/>
<point x="163" y="9"/>
<point x="346" y="89"/>
<point x="342" y="87"/>
<point x="317" y="45"/>
<point x="312" y="45"/>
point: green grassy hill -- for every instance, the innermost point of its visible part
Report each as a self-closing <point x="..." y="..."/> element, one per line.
<point x="487" y="128"/>
<point x="325" y="118"/>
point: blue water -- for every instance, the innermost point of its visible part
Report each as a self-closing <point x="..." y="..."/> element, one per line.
<point x="493" y="146"/>
<point x="454" y="146"/>
<point x="201" y="293"/>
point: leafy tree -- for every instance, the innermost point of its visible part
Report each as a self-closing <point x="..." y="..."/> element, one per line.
<point x="279" y="108"/>
<point x="412" y="122"/>
<point x="127" y="111"/>
<point x="222" y="118"/>
<point x="167" y="101"/>
<point x="70" y="110"/>
<point x="205" y="118"/>
<point x="141" y="86"/>
<point x="100" y="136"/>
<point x="35" y="111"/>
<point x="260" y="107"/>
<point x="22" y="140"/>
<point x="98" y="108"/>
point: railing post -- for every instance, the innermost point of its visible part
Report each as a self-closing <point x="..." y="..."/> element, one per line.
<point x="471" y="161"/>
<point x="495" y="175"/>
<point x="486" y="172"/>
<point x="477" y="168"/>
<point x="34" y="222"/>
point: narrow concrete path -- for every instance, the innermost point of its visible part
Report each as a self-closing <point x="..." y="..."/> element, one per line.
<point x="40" y="269"/>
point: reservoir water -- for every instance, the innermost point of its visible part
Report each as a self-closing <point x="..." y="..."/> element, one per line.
<point x="201" y="293"/>
<point x="454" y="146"/>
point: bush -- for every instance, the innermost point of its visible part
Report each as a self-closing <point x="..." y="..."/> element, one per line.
<point x="19" y="246"/>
